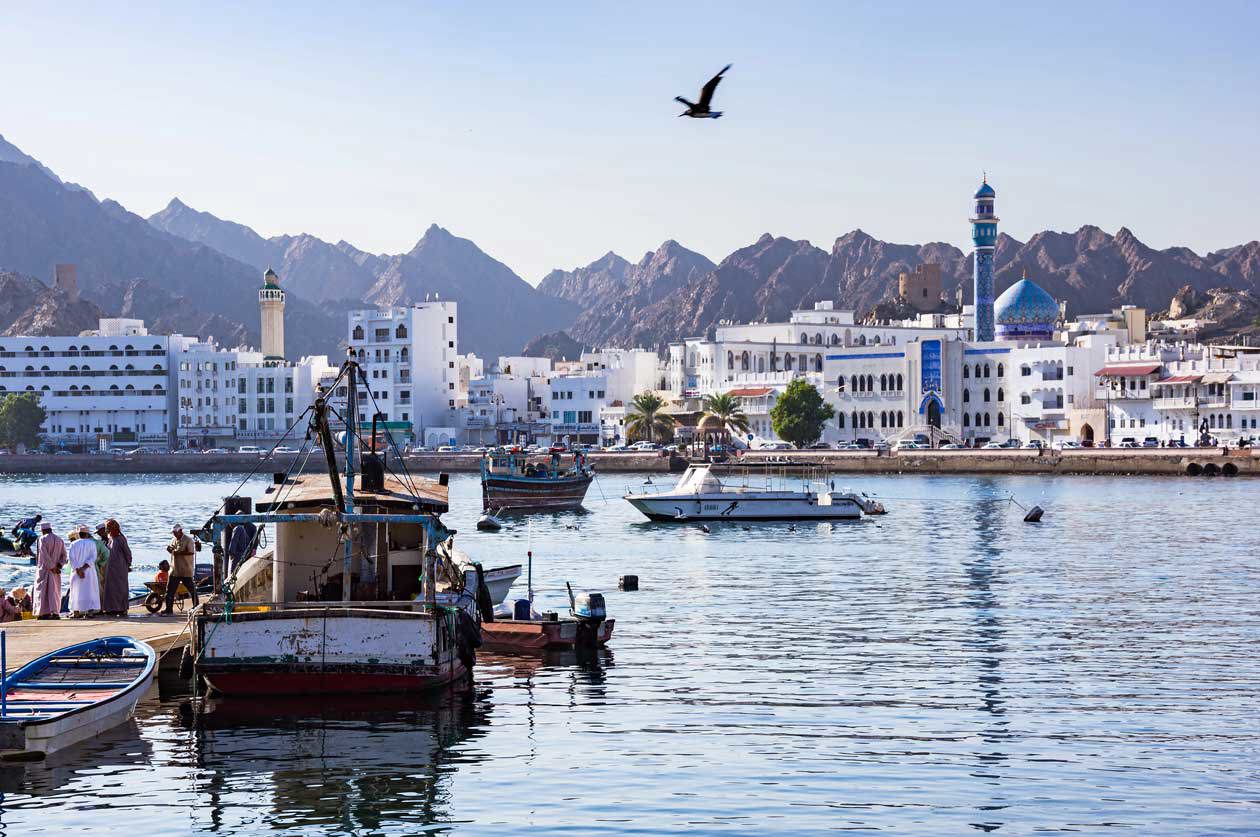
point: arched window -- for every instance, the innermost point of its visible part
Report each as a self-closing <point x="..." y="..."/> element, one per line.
<point x="966" y="371"/>
<point x="113" y="386"/>
<point x="157" y="347"/>
<point x="840" y="384"/>
<point x="730" y="360"/>
<point x="1001" y="370"/>
<point x="129" y="366"/>
<point x="883" y="419"/>
<point x="835" y="339"/>
<point x="1001" y="420"/>
<point x="861" y="339"/>
<point x="854" y="384"/>
<point x="1001" y="395"/>
<point x="986" y="394"/>
<point x="787" y="362"/>
<point x="817" y="363"/>
<point x="803" y="363"/>
<point x="129" y="386"/>
<point x="854" y="420"/>
<point x="966" y="420"/>
<point x="861" y="420"/>
<point x="901" y="419"/>
<point x="818" y="338"/>
<point x="743" y="362"/>
<point x="977" y="370"/>
<point x="358" y="333"/>
<point x="401" y="331"/>
<point x="966" y="396"/>
<point x="73" y="388"/>
<point x="113" y="367"/>
<point x="804" y="339"/>
<point x="986" y="419"/>
<point x="977" y="419"/>
<point x="129" y="348"/>
<point x="870" y="383"/>
<point x="986" y="370"/>
<point x="901" y="383"/>
<point x="156" y="366"/>
<point x="883" y="383"/>
<point x="1229" y="420"/>
<point x="840" y="420"/>
<point x="870" y="419"/>
<point x="761" y="364"/>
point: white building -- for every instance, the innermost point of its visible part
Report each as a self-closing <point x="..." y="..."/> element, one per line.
<point x="410" y="356"/>
<point x="576" y="402"/>
<point x="110" y="387"/>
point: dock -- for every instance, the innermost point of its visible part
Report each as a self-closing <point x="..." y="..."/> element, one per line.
<point x="31" y="639"/>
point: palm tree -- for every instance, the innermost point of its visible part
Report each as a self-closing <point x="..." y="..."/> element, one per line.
<point x="645" y="419"/>
<point x="725" y="408"/>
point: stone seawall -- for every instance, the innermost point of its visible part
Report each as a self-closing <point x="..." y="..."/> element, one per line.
<point x="1171" y="461"/>
<point x="425" y="463"/>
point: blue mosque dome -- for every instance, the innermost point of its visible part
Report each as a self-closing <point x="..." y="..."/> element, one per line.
<point x="1025" y="310"/>
<point x="985" y="191"/>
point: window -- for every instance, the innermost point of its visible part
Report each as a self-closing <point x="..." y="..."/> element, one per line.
<point x="584" y="416"/>
<point x="986" y="394"/>
<point x="883" y="419"/>
<point x="840" y="416"/>
<point x="966" y="420"/>
<point x="450" y="344"/>
<point x="357" y="334"/>
<point x="986" y="419"/>
<point x="966" y="371"/>
<point x="977" y="370"/>
<point x="840" y="384"/>
<point x="1069" y="370"/>
<point x="986" y="370"/>
<point x="450" y="320"/>
<point x="1025" y="371"/>
<point x="966" y="396"/>
<point x="883" y="383"/>
<point x="599" y="393"/>
<point x="901" y="419"/>
<point x="1001" y="370"/>
<point x="1024" y="398"/>
<point x="400" y="332"/>
<point x="1001" y="420"/>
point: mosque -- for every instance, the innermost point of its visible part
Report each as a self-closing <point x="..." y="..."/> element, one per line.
<point x="1018" y="372"/>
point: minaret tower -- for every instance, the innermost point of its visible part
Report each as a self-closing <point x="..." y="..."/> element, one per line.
<point x="271" y="307"/>
<point x="984" y="236"/>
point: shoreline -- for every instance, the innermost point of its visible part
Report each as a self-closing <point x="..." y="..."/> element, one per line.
<point x="1109" y="461"/>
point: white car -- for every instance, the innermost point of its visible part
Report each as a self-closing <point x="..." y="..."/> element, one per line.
<point x="254" y="449"/>
<point x="286" y="449"/>
<point x="646" y="446"/>
<point x="951" y="446"/>
<point x="1067" y="444"/>
<point x="447" y="449"/>
<point x="908" y="444"/>
<point x="993" y="446"/>
<point x="775" y="446"/>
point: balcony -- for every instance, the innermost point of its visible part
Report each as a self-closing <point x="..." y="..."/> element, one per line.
<point x="1178" y="402"/>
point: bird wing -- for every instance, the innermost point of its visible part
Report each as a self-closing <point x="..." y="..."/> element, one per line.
<point x="706" y="92"/>
<point x="684" y="101"/>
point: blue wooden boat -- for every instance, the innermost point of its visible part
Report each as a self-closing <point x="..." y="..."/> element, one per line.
<point x="74" y="693"/>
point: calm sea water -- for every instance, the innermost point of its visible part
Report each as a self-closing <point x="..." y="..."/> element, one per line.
<point x="943" y="670"/>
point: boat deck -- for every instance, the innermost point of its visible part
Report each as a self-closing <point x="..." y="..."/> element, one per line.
<point x="31" y="639"/>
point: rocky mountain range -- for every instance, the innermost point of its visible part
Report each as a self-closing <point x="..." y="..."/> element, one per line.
<point x="1092" y="270"/>
<point x="499" y="311"/>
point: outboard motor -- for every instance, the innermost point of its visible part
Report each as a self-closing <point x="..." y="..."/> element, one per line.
<point x="590" y="612"/>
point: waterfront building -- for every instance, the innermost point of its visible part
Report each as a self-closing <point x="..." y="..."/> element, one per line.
<point x="984" y="237"/>
<point x="576" y="402"/>
<point x="106" y="388"/>
<point x="409" y="355"/>
<point x="509" y="407"/>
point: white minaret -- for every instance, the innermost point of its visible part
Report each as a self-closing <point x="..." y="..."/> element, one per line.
<point x="271" y="308"/>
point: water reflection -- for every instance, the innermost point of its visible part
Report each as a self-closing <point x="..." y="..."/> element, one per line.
<point x="335" y="764"/>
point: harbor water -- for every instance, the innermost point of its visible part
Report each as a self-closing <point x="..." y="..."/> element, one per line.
<point x="945" y="669"/>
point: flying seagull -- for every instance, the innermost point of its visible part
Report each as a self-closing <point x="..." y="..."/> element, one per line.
<point x="700" y="109"/>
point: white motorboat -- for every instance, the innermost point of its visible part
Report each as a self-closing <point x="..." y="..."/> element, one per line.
<point x="700" y="495"/>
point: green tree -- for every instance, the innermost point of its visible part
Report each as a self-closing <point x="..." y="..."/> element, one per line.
<point x="725" y="408"/>
<point x="646" y="419"/>
<point x="20" y="418"/>
<point x="800" y="414"/>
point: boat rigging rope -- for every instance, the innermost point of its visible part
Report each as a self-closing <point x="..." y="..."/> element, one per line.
<point x="410" y="483"/>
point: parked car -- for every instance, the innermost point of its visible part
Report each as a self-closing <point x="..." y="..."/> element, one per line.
<point x="286" y="449"/>
<point x="254" y="449"/>
<point x="1150" y="442"/>
<point x="447" y="449"/>
<point x="819" y="446"/>
<point x="1034" y="444"/>
<point x="775" y="446"/>
<point x="993" y="446"/>
<point x="645" y="446"/>
<point x="951" y="446"/>
<point x="1067" y="444"/>
<point x="1128" y="442"/>
<point x="1177" y="443"/>
<point x="216" y="451"/>
<point x="908" y="444"/>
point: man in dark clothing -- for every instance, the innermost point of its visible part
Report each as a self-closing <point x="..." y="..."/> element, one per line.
<point x="183" y="557"/>
<point x="25" y="533"/>
<point x="241" y="545"/>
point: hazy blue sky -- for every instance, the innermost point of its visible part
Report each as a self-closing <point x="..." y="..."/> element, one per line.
<point x="547" y="134"/>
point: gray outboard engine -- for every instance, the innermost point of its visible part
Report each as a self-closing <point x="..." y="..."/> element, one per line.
<point x="590" y="612"/>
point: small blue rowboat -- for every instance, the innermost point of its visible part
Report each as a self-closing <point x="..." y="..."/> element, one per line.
<point x="74" y="693"/>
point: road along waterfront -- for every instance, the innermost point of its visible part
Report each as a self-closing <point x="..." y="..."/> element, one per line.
<point x="944" y="669"/>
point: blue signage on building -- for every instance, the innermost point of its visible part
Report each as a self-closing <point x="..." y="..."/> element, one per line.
<point x="930" y="359"/>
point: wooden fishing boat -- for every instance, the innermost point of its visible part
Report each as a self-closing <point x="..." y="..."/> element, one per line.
<point x="510" y="483"/>
<point x="538" y="634"/>
<point x="366" y="595"/>
<point x="74" y="694"/>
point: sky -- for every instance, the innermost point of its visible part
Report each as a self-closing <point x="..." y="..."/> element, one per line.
<point x="546" y="132"/>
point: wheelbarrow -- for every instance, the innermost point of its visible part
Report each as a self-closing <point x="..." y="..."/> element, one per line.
<point x="156" y="600"/>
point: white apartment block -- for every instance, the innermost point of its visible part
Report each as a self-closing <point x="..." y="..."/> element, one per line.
<point x="411" y="358"/>
<point x="109" y="387"/>
<point x="576" y="402"/>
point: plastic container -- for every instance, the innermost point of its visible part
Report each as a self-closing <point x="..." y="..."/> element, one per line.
<point x="521" y="609"/>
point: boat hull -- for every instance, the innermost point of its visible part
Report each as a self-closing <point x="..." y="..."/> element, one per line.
<point x="328" y="650"/>
<point x="537" y="634"/>
<point x="519" y="493"/>
<point x="683" y="509"/>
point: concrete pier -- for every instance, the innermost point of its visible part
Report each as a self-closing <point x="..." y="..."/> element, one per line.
<point x="30" y="639"/>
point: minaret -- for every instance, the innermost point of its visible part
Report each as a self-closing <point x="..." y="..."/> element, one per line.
<point x="984" y="236"/>
<point x="271" y="308"/>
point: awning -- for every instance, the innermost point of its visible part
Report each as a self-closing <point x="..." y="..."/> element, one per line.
<point x="1178" y="379"/>
<point x="1128" y="369"/>
<point x="751" y="392"/>
<point x="1217" y="377"/>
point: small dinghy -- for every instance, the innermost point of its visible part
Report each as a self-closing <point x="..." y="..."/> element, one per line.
<point x="489" y="522"/>
<point x="74" y="694"/>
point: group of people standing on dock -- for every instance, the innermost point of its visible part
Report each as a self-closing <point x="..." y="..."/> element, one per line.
<point x="98" y="566"/>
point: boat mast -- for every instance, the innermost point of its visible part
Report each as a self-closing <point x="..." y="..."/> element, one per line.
<point x="352" y="418"/>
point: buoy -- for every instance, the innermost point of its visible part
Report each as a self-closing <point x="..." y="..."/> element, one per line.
<point x="628" y="583"/>
<point x="1034" y="515"/>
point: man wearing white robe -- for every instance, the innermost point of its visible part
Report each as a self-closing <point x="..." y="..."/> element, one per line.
<point x="85" y="586"/>
<point x="50" y="558"/>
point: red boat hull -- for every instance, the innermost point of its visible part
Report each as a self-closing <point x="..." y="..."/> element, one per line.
<point x="292" y="681"/>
